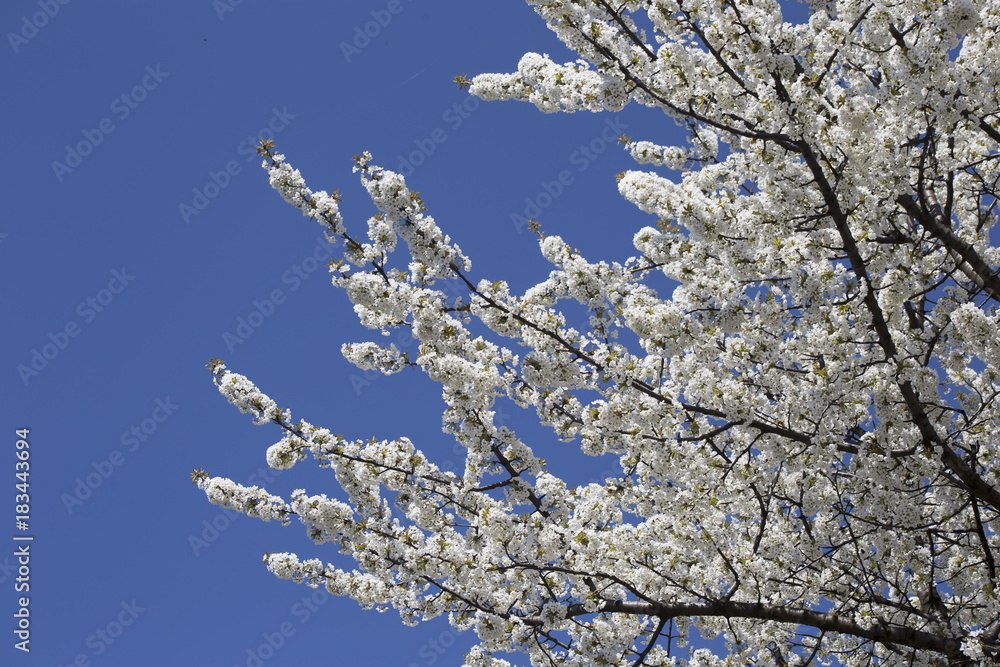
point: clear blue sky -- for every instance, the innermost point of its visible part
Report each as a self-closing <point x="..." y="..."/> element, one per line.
<point x="139" y="229"/>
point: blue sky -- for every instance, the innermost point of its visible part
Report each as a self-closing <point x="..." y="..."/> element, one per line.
<point x="141" y="238"/>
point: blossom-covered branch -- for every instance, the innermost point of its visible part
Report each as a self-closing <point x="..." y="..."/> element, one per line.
<point x="806" y="425"/>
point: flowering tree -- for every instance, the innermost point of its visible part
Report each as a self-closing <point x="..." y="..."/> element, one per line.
<point x="807" y="426"/>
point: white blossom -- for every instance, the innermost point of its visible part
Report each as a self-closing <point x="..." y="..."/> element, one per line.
<point x="799" y="425"/>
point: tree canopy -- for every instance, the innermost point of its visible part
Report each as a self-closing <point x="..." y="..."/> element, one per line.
<point x="807" y="425"/>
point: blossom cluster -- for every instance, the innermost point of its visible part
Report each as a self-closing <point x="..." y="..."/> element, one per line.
<point x="806" y="425"/>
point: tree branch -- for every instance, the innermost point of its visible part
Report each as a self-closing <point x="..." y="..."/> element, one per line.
<point x="967" y="260"/>
<point x="878" y="631"/>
